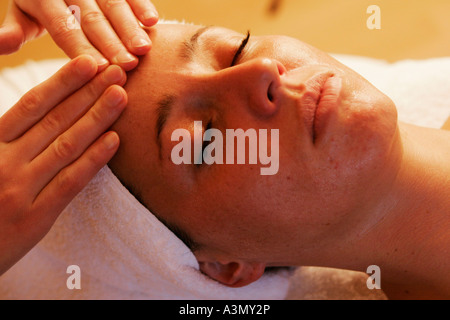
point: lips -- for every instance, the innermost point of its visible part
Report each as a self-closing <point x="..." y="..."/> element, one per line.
<point x="311" y="88"/>
<point x="310" y="101"/>
<point x="328" y="101"/>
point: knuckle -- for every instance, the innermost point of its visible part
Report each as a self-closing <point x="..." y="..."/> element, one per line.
<point x="12" y="203"/>
<point x="10" y="167"/>
<point x="64" y="148"/>
<point x="65" y="76"/>
<point x="97" y="115"/>
<point x="111" y="4"/>
<point x="113" y="46"/>
<point x="92" y="17"/>
<point x="8" y="195"/>
<point x="53" y="122"/>
<point x="85" y="48"/>
<point x="91" y="91"/>
<point x="70" y="41"/>
<point x="132" y="30"/>
<point x="59" y="28"/>
<point x="30" y="102"/>
<point x="69" y="183"/>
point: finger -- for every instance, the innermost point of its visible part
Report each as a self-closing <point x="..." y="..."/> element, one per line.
<point x="69" y="37"/>
<point x="11" y="38"/>
<point x="71" y="180"/>
<point x="72" y="143"/>
<point x="101" y="34"/>
<point x="61" y="118"/>
<point x="37" y="102"/>
<point x="126" y="25"/>
<point x="16" y="30"/>
<point x="145" y="11"/>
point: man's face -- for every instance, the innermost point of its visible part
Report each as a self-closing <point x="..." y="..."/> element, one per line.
<point x="336" y="141"/>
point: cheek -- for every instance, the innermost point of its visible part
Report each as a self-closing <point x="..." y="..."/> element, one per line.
<point x="240" y="208"/>
<point x="364" y="133"/>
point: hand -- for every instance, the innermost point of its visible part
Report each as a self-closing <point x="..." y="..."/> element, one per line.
<point x="52" y="143"/>
<point x="110" y="30"/>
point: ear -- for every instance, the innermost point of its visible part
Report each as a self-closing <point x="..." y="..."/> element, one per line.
<point x="233" y="274"/>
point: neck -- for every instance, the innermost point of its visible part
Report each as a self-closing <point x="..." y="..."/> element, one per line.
<point x="408" y="235"/>
<point x="414" y="238"/>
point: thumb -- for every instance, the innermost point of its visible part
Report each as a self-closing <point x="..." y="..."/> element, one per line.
<point x="16" y="30"/>
<point x="11" y="38"/>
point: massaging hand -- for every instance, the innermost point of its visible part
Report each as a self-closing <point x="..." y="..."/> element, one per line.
<point x="52" y="143"/>
<point x="109" y="28"/>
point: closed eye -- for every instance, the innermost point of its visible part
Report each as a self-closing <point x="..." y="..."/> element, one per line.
<point x="240" y="49"/>
<point x="206" y="143"/>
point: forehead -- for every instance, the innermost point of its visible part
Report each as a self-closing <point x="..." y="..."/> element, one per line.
<point x="157" y="71"/>
<point x="157" y="76"/>
<point x="167" y="39"/>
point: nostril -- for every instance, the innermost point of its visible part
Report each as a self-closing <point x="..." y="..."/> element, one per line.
<point x="269" y="96"/>
<point x="271" y="92"/>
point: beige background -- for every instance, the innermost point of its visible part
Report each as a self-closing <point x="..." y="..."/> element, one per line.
<point x="414" y="29"/>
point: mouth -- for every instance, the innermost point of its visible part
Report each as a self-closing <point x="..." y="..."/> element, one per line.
<point x="310" y="102"/>
<point x="327" y="102"/>
<point x="317" y="90"/>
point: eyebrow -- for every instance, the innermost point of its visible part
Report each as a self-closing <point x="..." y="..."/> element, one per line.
<point x="164" y="107"/>
<point x="189" y="46"/>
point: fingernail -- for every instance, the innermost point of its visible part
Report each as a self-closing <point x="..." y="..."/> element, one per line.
<point x="139" y="42"/>
<point x="114" y="74"/>
<point x="150" y="15"/>
<point x="102" y="62"/>
<point x="114" y="98"/>
<point x="111" y="140"/>
<point x="85" y="67"/>
<point x="124" y="57"/>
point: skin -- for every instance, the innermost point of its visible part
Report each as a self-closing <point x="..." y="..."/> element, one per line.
<point x="52" y="143"/>
<point x="348" y="199"/>
<point x="54" y="140"/>
<point x="110" y="30"/>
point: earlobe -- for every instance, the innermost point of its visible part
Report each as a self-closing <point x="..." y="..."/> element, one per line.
<point x="233" y="274"/>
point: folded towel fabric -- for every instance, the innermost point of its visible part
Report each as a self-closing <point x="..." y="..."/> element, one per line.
<point x="124" y="252"/>
<point x="420" y="89"/>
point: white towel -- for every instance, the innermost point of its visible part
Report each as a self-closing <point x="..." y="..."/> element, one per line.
<point x="124" y="252"/>
<point x="420" y="89"/>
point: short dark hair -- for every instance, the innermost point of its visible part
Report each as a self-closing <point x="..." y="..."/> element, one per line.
<point x="177" y="231"/>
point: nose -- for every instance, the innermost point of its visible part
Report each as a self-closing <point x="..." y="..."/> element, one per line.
<point x="255" y="83"/>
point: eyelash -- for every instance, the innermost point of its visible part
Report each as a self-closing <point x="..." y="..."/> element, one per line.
<point x="205" y="143"/>
<point x="233" y="63"/>
<point x="240" y="49"/>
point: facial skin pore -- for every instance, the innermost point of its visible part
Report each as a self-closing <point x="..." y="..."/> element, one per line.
<point x="341" y="173"/>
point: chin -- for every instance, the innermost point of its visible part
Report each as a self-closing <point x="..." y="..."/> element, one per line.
<point x="362" y="136"/>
